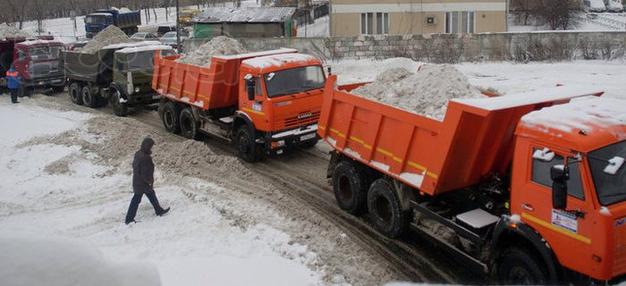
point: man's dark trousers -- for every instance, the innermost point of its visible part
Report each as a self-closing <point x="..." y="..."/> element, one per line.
<point x="134" y="204"/>
<point x="13" y="95"/>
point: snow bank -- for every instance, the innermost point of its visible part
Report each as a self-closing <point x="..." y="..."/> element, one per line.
<point x="218" y="46"/>
<point x="425" y="92"/>
<point x="58" y="262"/>
<point x="7" y="31"/>
<point x="109" y="36"/>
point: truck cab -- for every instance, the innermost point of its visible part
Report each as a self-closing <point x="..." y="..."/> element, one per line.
<point x="37" y="62"/>
<point x="569" y="183"/>
<point x="282" y="95"/>
<point x="96" y="22"/>
<point x="132" y="77"/>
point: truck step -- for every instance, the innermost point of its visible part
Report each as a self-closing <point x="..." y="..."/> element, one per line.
<point x="477" y="219"/>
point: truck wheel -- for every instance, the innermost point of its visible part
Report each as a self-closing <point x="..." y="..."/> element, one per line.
<point x="247" y="149"/>
<point x="74" y="92"/>
<point x="24" y="91"/>
<point x="384" y="205"/>
<point x="89" y="99"/>
<point x="518" y="266"/>
<point x="170" y="114"/>
<point x="119" y="108"/>
<point x="188" y="124"/>
<point x="350" y="187"/>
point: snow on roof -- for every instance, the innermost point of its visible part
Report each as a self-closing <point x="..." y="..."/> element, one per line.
<point x="99" y="14"/>
<point x="132" y="44"/>
<point x="278" y="60"/>
<point x="40" y="42"/>
<point x="581" y="114"/>
<point x="143" y="49"/>
<point x="257" y="54"/>
<point x="245" y="15"/>
<point x="534" y="97"/>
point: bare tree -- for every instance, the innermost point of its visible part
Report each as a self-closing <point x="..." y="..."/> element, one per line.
<point x="561" y="14"/>
<point x="524" y="9"/>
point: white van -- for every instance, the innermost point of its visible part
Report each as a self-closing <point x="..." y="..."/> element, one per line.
<point x="595" y="5"/>
<point x="614" y="5"/>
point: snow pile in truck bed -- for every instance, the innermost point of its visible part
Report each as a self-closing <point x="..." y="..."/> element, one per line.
<point x="425" y="92"/>
<point x="109" y="36"/>
<point x="218" y="46"/>
<point x="7" y="31"/>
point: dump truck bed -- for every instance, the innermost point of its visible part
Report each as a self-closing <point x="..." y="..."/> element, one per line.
<point x="97" y="67"/>
<point x="207" y="87"/>
<point x="474" y="140"/>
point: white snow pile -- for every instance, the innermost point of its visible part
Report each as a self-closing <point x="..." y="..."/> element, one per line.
<point x="7" y="31"/>
<point x="425" y="92"/>
<point x="218" y="46"/>
<point x="26" y="261"/>
<point x="109" y="36"/>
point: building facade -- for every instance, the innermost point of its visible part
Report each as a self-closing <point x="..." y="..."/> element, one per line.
<point x="370" y="17"/>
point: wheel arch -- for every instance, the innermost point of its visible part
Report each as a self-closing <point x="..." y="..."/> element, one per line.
<point x="508" y="233"/>
<point x="241" y="118"/>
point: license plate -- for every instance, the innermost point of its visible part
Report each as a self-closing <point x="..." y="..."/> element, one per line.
<point x="307" y="137"/>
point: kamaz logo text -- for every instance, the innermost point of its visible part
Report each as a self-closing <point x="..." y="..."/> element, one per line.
<point x="305" y="115"/>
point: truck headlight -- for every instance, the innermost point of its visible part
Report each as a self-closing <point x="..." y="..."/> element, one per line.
<point x="136" y="89"/>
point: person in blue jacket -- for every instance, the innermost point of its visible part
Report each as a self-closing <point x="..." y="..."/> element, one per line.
<point x="13" y="83"/>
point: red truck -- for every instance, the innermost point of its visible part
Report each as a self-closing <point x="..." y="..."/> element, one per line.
<point x="263" y="102"/>
<point x="530" y="188"/>
<point x="36" y="61"/>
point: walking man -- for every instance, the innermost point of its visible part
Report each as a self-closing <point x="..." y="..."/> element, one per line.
<point x="143" y="180"/>
<point x="13" y="83"/>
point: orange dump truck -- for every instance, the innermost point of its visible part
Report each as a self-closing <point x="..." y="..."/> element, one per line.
<point x="529" y="188"/>
<point x="264" y="102"/>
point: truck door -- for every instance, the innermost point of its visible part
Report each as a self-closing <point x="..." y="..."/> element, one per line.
<point x="568" y="232"/>
<point x="20" y="62"/>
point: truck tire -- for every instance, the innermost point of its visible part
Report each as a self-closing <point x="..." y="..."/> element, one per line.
<point x="384" y="206"/>
<point x="188" y="124"/>
<point x="74" y="92"/>
<point x="170" y="114"/>
<point x="24" y="91"/>
<point x="119" y="108"/>
<point x="518" y="266"/>
<point x="247" y="148"/>
<point x="89" y="98"/>
<point x="350" y="188"/>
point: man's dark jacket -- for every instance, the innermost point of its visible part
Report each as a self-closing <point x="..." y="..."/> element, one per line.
<point x="143" y="168"/>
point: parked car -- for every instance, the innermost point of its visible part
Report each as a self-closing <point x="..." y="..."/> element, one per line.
<point x="594" y="6"/>
<point x="614" y="6"/>
<point x="144" y="36"/>
<point x="163" y="29"/>
<point x="170" y="39"/>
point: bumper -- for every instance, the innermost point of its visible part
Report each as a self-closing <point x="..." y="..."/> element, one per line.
<point x="143" y="98"/>
<point x="279" y="141"/>
<point x="57" y="80"/>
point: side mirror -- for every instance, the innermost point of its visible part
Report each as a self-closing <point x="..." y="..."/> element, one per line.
<point x="250" y="88"/>
<point x="560" y="176"/>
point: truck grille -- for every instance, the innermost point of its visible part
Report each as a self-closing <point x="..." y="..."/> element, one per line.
<point x="302" y="119"/>
<point x="619" y="262"/>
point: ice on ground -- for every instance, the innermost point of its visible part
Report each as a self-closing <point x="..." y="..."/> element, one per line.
<point x="7" y="31"/>
<point x="110" y="36"/>
<point x="218" y="46"/>
<point x="425" y="92"/>
<point x="26" y="261"/>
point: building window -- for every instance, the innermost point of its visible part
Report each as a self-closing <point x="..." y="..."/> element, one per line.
<point x="369" y="19"/>
<point x="460" y="22"/>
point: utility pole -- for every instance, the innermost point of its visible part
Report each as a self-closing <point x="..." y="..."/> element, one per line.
<point x="178" y="47"/>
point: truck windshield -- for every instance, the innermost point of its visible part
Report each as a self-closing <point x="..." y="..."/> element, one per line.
<point x="140" y="61"/>
<point x="294" y="80"/>
<point x="44" y="53"/>
<point x="95" y="19"/>
<point x="608" y="171"/>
